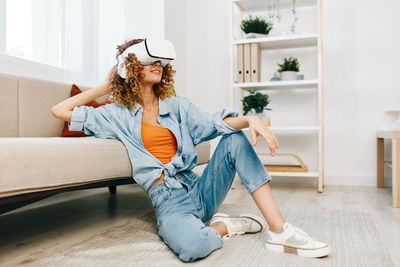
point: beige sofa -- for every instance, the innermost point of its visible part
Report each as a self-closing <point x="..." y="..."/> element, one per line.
<point x="35" y="162"/>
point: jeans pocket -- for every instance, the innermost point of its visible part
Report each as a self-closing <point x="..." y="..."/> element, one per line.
<point x="195" y="199"/>
<point x="158" y="200"/>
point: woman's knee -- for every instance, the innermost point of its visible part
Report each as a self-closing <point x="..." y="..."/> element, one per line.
<point x="236" y="138"/>
<point x="238" y="141"/>
<point x="200" y="245"/>
<point x="194" y="241"/>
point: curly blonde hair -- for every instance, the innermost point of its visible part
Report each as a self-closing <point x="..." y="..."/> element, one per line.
<point x="128" y="91"/>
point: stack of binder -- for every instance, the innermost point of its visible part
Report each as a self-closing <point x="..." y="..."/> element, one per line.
<point x="248" y="63"/>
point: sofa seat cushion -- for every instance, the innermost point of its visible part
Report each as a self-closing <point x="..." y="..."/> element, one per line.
<point x="44" y="163"/>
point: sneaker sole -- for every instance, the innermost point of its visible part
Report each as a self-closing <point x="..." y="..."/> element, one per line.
<point x="312" y="253"/>
<point x="253" y="217"/>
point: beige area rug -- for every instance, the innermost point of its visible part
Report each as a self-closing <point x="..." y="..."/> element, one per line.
<point x="352" y="235"/>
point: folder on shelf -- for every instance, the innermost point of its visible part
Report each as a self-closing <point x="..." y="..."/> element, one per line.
<point x="255" y="62"/>
<point x="240" y="63"/>
<point x="247" y="63"/>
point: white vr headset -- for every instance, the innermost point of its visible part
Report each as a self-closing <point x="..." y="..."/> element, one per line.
<point x="148" y="52"/>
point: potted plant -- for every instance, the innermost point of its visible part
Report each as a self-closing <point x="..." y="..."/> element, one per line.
<point x="255" y="27"/>
<point x="289" y="68"/>
<point x="256" y="104"/>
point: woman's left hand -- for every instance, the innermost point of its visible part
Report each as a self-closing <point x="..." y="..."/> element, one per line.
<point x="257" y="127"/>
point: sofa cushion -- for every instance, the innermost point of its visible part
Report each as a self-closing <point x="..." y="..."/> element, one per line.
<point x="37" y="164"/>
<point x="36" y="98"/>
<point x="8" y="110"/>
<point x="75" y="91"/>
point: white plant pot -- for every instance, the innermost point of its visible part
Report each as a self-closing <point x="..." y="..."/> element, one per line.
<point x="288" y="75"/>
<point x="255" y="35"/>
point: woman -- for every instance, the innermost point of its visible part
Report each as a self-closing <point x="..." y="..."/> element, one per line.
<point x="160" y="131"/>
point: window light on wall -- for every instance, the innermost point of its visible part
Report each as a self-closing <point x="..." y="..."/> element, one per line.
<point x="31" y="30"/>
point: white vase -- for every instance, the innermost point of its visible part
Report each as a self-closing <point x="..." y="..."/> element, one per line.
<point x="288" y="75"/>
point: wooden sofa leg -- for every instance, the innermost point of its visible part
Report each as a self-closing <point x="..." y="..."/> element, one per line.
<point x="112" y="189"/>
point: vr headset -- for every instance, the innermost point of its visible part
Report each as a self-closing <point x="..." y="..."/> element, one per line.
<point x="148" y="52"/>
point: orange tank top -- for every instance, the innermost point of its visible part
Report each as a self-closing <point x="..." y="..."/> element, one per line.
<point x="159" y="141"/>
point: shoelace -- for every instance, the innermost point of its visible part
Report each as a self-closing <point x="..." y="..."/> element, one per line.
<point x="227" y="236"/>
<point x="297" y="230"/>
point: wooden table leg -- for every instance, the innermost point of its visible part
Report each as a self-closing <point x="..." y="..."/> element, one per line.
<point x="380" y="162"/>
<point x="396" y="172"/>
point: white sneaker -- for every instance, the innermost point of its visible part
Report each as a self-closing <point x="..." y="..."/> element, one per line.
<point x="239" y="225"/>
<point x="293" y="240"/>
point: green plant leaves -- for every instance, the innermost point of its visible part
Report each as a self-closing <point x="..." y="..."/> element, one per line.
<point x="256" y="25"/>
<point x="256" y="101"/>
<point x="289" y="64"/>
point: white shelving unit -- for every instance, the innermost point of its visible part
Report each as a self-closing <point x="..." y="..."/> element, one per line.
<point x="313" y="86"/>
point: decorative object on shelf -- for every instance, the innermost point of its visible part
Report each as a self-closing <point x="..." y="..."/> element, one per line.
<point x="283" y="163"/>
<point x="256" y="104"/>
<point x="289" y="68"/>
<point x="396" y="125"/>
<point x="255" y="27"/>
<point x="390" y="120"/>
<point x="275" y="77"/>
<point x="274" y="13"/>
<point x="300" y="77"/>
<point x="295" y="19"/>
<point x="274" y="10"/>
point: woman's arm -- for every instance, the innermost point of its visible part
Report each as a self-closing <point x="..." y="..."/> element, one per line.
<point x="238" y="122"/>
<point x="64" y="109"/>
<point x="256" y="128"/>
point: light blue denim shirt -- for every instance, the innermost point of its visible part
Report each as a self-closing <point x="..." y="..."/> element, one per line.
<point x="187" y="122"/>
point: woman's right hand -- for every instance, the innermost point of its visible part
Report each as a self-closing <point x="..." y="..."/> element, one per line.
<point x="109" y="76"/>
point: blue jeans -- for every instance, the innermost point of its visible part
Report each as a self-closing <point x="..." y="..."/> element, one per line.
<point x="181" y="213"/>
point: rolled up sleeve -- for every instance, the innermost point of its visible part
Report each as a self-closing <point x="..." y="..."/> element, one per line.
<point x="93" y="121"/>
<point x="202" y="126"/>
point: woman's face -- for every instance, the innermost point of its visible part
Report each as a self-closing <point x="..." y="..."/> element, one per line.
<point x="152" y="73"/>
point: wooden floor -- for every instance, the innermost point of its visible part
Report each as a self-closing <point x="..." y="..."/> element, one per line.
<point x="63" y="220"/>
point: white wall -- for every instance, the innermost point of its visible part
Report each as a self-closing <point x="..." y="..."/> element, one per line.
<point x="360" y="71"/>
<point x="361" y="54"/>
<point x="175" y="30"/>
<point x="201" y="38"/>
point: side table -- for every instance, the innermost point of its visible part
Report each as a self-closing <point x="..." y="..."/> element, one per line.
<point x="394" y="135"/>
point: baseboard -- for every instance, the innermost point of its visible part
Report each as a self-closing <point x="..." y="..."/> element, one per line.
<point x="355" y="180"/>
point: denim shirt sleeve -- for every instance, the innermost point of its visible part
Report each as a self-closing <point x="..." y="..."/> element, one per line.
<point x="93" y="121"/>
<point x="203" y="127"/>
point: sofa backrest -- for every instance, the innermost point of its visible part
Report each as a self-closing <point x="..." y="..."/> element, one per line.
<point x="9" y="106"/>
<point x="26" y="104"/>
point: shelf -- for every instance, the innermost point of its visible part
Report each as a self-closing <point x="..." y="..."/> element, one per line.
<point x="296" y="84"/>
<point x="306" y="42"/>
<point x="291" y="129"/>
<point x="293" y="174"/>
<point x="282" y="41"/>
<point x="261" y="5"/>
